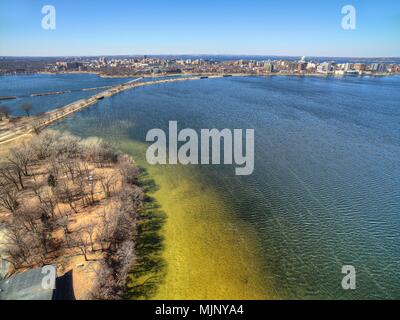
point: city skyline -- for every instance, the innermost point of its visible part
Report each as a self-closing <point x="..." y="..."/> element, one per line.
<point x="259" y="28"/>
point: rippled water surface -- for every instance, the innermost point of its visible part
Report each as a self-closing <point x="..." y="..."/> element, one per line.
<point x="325" y="191"/>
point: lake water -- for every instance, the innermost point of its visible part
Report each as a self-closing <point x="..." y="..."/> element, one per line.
<point x="325" y="191"/>
<point x="23" y="86"/>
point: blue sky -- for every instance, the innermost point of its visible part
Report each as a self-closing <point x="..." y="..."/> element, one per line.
<point x="255" y="27"/>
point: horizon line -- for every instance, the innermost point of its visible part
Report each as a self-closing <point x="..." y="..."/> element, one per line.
<point x="196" y="54"/>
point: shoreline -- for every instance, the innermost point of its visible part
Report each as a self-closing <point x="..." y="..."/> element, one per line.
<point x="206" y="254"/>
<point x="166" y="75"/>
<point x="176" y="214"/>
<point x="27" y="125"/>
<point x="81" y="255"/>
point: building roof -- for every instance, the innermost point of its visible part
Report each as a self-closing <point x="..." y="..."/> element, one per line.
<point x="25" y="286"/>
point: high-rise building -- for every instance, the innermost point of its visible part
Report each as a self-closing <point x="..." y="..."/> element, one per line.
<point x="268" y="67"/>
<point x="348" y="67"/>
<point x="325" y="67"/>
<point x="360" y="67"/>
<point x="378" y="67"/>
<point x="301" y="66"/>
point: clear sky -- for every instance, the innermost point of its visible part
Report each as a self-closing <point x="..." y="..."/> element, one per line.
<point x="255" y="27"/>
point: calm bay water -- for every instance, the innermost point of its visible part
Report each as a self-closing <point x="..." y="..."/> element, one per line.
<point x="23" y="86"/>
<point x="325" y="191"/>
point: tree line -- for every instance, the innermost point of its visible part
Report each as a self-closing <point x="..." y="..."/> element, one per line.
<point x="51" y="180"/>
<point x="5" y="110"/>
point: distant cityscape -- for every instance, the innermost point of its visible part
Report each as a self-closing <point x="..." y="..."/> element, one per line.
<point x="158" y="66"/>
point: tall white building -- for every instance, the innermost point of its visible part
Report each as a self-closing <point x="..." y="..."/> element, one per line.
<point x="325" y="67"/>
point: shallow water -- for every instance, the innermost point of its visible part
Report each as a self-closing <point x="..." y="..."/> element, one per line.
<point x="325" y="190"/>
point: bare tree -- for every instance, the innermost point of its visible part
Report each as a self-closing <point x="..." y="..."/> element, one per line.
<point x="80" y="240"/>
<point x="90" y="148"/>
<point x="70" y="166"/>
<point x="131" y="198"/>
<point x="63" y="223"/>
<point x="106" y="230"/>
<point x="92" y="181"/>
<point x="108" y="183"/>
<point x="26" y="107"/>
<point x="65" y="194"/>
<point x="54" y="166"/>
<point x="21" y="158"/>
<point x="90" y="231"/>
<point x="45" y="144"/>
<point x="17" y="249"/>
<point x="48" y="204"/>
<point x="82" y="184"/>
<point x="68" y="145"/>
<point x="128" y="170"/>
<point x="86" y="182"/>
<point x="44" y="239"/>
<point x="105" y="288"/>
<point x="28" y="218"/>
<point x="9" y="199"/>
<point x="4" y="112"/>
<point x="11" y="175"/>
<point x="37" y="188"/>
<point x="112" y="277"/>
<point x="108" y="155"/>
